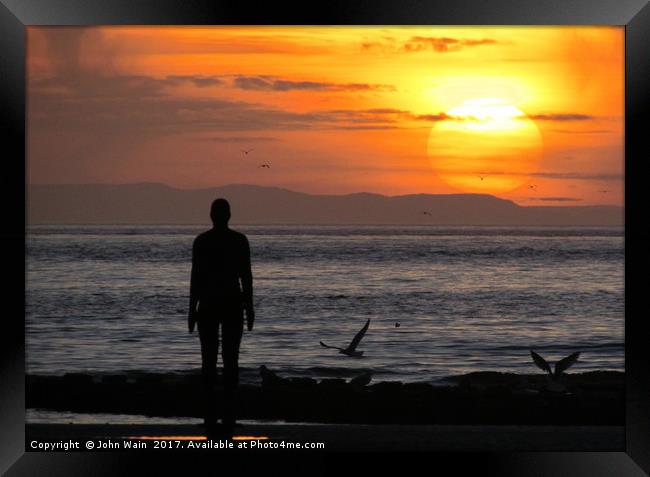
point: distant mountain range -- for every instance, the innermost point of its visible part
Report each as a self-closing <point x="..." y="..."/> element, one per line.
<point x="148" y="203"/>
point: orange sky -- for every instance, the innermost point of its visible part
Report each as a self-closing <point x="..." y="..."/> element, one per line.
<point x="533" y="114"/>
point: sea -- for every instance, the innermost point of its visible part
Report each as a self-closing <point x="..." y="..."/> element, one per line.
<point x="441" y="300"/>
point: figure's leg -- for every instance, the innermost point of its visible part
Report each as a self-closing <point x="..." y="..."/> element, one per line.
<point x="209" y="335"/>
<point x="231" y="328"/>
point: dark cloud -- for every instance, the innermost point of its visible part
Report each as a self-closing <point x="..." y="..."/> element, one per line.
<point x="147" y="105"/>
<point x="437" y="117"/>
<point x="140" y="104"/>
<point x="559" y="117"/>
<point x="89" y="85"/>
<point x="270" y="83"/>
<point x="196" y="80"/>
<point x="392" y="115"/>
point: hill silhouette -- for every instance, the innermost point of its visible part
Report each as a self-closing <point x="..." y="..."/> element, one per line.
<point x="151" y="203"/>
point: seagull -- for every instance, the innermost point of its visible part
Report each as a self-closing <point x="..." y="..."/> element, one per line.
<point x="560" y="367"/>
<point x="481" y="177"/>
<point x="268" y="166"/>
<point x="269" y="378"/>
<point x="246" y="151"/>
<point x="532" y="186"/>
<point x="427" y="213"/>
<point x="351" y="349"/>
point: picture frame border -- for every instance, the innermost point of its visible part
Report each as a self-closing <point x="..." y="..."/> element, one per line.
<point x="17" y="15"/>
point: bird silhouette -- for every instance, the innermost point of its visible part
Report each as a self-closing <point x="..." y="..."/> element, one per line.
<point x="427" y="213"/>
<point x="246" y="151"/>
<point x="532" y="186"/>
<point x="481" y="177"/>
<point x="603" y="191"/>
<point x="560" y="367"/>
<point x="269" y="378"/>
<point x="351" y="349"/>
<point x="268" y="166"/>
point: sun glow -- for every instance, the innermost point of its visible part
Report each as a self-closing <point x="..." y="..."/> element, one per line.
<point x="485" y="145"/>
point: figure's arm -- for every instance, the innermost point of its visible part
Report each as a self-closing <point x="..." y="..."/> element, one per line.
<point x="194" y="285"/>
<point x="246" y="277"/>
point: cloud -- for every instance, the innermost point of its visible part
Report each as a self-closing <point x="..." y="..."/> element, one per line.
<point x="443" y="44"/>
<point x="593" y="131"/>
<point x="559" y="117"/>
<point x="132" y="104"/>
<point x="424" y="43"/>
<point x="440" y="117"/>
<point x="392" y="115"/>
<point x="89" y="85"/>
<point x="146" y="105"/>
<point x="197" y="80"/>
<point x="271" y="83"/>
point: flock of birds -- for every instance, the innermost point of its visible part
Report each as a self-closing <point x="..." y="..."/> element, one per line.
<point x="351" y="349"/>
<point x="553" y="374"/>
<point x="534" y="186"/>
<point x="554" y="384"/>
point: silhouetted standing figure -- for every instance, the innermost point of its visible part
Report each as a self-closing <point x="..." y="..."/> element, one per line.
<point x="220" y="262"/>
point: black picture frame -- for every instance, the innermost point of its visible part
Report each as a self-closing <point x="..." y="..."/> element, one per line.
<point x="16" y="15"/>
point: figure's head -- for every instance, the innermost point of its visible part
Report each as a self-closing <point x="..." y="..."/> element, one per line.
<point x="220" y="212"/>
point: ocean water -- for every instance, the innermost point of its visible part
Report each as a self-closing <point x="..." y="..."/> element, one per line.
<point x="107" y="299"/>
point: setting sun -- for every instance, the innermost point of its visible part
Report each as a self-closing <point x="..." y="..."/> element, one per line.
<point x="485" y="145"/>
<point x="521" y="113"/>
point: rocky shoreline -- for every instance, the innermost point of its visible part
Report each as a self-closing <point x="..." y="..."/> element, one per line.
<point x="481" y="398"/>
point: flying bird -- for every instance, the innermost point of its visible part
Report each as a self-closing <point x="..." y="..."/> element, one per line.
<point x="560" y="367"/>
<point x="427" y="213"/>
<point x="351" y="349"/>
<point x="246" y="151"/>
<point x="268" y="166"/>
<point x="603" y="191"/>
<point x="481" y="177"/>
<point x="532" y="186"/>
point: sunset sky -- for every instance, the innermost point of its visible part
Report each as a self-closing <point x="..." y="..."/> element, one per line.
<point x="532" y="114"/>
